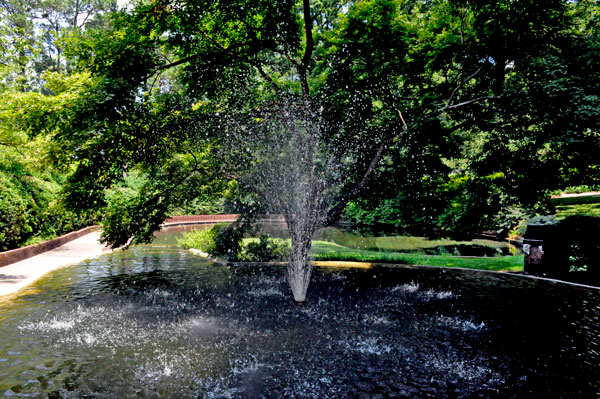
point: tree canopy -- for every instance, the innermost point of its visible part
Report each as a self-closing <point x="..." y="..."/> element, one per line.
<point x="456" y="114"/>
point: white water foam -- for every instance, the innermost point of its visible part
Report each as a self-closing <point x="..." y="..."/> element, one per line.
<point x="457" y="323"/>
<point x="368" y="345"/>
<point x="414" y="288"/>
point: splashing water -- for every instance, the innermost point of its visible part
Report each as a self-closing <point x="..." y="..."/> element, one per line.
<point x="284" y="158"/>
<point x="163" y="323"/>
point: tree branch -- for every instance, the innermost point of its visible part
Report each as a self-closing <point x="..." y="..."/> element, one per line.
<point x="334" y="213"/>
<point x="308" y="50"/>
<point x="461" y="85"/>
<point x="178" y="62"/>
<point x="269" y="79"/>
<point x="10" y="144"/>
<point x="247" y="184"/>
<point x="474" y="100"/>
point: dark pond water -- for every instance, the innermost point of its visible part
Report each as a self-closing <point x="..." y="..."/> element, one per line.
<point x="156" y="321"/>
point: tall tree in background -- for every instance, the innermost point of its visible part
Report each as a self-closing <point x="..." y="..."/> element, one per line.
<point x="35" y="84"/>
<point x="34" y="33"/>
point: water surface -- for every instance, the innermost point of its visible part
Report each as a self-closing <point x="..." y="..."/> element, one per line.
<point x="157" y="321"/>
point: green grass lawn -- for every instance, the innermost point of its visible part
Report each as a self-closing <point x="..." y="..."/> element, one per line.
<point x="590" y="209"/>
<point x="324" y="251"/>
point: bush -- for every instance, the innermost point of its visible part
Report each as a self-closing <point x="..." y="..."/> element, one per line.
<point x="220" y="240"/>
<point x="265" y="249"/>
<point x="204" y="240"/>
<point x="31" y="209"/>
<point x="227" y="241"/>
<point x="14" y="226"/>
<point x="545" y="220"/>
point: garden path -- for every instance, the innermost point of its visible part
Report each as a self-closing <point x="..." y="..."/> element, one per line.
<point x="20" y="274"/>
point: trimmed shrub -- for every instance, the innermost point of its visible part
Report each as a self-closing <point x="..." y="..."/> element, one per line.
<point x="204" y="240"/>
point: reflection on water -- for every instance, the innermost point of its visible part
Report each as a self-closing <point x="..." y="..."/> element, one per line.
<point x="156" y="321"/>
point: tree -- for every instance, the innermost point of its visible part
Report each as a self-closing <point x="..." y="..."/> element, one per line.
<point x="299" y="102"/>
<point x="33" y="34"/>
<point x="496" y="159"/>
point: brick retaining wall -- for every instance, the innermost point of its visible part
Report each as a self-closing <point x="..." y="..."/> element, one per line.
<point x="19" y="254"/>
<point x="217" y="219"/>
<point x="202" y="219"/>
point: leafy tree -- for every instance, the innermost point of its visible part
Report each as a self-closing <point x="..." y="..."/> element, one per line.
<point x="30" y="198"/>
<point x="305" y="104"/>
<point x="33" y="34"/>
<point x="532" y="128"/>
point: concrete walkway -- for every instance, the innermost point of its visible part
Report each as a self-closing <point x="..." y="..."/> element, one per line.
<point x="18" y="275"/>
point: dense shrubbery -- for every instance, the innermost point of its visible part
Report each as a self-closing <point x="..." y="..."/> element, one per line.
<point x="220" y="240"/>
<point x="204" y="239"/>
<point x="31" y="209"/>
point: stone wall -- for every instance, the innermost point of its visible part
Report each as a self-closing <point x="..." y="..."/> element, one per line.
<point x="217" y="219"/>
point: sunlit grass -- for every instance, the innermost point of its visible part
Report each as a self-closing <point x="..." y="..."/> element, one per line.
<point x="590" y="209"/>
<point x="323" y="251"/>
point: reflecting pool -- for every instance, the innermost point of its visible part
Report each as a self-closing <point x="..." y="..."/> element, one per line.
<point x="157" y="321"/>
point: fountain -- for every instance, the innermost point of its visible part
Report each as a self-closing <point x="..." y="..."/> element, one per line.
<point x="157" y="321"/>
<point x="283" y="158"/>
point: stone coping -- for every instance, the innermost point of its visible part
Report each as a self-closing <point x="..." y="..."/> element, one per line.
<point x="19" y="254"/>
<point x="575" y="195"/>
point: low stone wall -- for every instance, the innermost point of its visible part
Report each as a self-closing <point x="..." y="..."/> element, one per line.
<point x="202" y="219"/>
<point x="226" y="218"/>
<point x="19" y="254"/>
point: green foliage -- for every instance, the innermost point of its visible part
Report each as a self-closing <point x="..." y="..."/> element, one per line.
<point x="581" y="189"/>
<point x="264" y="249"/>
<point x="120" y="214"/>
<point x="34" y="36"/>
<point x="564" y="211"/>
<point x="544" y="220"/>
<point x="14" y="226"/>
<point x="31" y="208"/>
<point x="203" y="239"/>
<point x="478" y="108"/>
<point x="201" y="205"/>
<point x="228" y="241"/>
<point x="220" y="240"/>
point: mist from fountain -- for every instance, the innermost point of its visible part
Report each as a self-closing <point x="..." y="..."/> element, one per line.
<point x="283" y="157"/>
